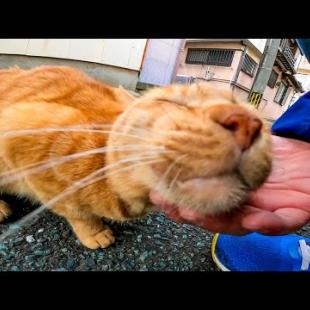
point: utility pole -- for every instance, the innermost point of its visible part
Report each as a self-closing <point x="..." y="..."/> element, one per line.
<point x="264" y="70"/>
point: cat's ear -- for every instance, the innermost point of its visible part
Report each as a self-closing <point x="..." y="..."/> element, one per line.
<point x="126" y="96"/>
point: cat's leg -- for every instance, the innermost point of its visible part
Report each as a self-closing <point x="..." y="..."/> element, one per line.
<point x="5" y="211"/>
<point x="92" y="232"/>
<point x="87" y="226"/>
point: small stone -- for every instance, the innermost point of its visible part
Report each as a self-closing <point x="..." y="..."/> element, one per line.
<point x="90" y="262"/>
<point x="144" y="256"/>
<point x="39" y="253"/>
<point x="82" y="267"/>
<point x="56" y="237"/>
<point x="30" y="239"/>
<point x="3" y="247"/>
<point x="158" y="242"/>
<point x="14" y="268"/>
<point x="60" y="269"/>
<point x="200" y="244"/>
<point x="40" y="230"/>
<point x="121" y="256"/>
<point x="64" y="250"/>
<point x="65" y="234"/>
<point x="29" y="257"/>
<point x="71" y="264"/>
<point x="160" y="219"/>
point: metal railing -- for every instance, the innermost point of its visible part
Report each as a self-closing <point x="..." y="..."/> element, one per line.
<point x="287" y="53"/>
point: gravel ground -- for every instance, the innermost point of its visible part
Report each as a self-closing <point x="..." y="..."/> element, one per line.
<point x="152" y="244"/>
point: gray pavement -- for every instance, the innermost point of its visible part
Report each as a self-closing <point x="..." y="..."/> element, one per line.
<point x="152" y="244"/>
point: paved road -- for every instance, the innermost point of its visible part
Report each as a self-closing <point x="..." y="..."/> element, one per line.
<point x="154" y="244"/>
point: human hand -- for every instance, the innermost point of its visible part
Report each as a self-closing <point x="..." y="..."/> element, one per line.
<point x="280" y="206"/>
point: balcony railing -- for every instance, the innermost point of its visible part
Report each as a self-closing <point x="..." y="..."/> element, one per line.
<point x="286" y="56"/>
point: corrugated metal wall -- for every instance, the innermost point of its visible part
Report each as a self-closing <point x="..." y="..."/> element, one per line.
<point x="125" y="53"/>
<point x="160" y="59"/>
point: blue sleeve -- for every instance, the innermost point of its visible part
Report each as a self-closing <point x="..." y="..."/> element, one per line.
<point x="295" y="122"/>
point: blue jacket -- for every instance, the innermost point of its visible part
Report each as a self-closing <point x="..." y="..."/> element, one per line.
<point x="295" y="122"/>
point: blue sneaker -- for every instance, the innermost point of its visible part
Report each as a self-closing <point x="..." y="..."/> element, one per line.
<point x="256" y="252"/>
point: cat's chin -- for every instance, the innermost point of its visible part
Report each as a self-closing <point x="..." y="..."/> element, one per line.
<point x="209" y="195"/>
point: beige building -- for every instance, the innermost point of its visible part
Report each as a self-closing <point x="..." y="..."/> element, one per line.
<point x="233" y="63"/>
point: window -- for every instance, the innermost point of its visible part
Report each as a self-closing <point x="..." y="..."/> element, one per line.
<point x="273" y="79"/>
<point x="249" y="65"/>
<point x="282" y="94"/>
<point x="210" y="56"/>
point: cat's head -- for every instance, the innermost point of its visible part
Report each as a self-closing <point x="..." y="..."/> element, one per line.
<point x="212" y="150"/>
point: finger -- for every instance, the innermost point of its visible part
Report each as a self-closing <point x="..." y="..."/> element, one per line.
<point x="281" y="221"/>
<point x="228" y="223"/>
<point x="273" y="199"/>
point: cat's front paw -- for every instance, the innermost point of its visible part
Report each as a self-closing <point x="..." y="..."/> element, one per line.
<point x="102" y="239"/>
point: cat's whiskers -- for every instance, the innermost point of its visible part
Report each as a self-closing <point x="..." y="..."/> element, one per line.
<point x="167" y="194"/>
<point x="170" y="167"/>
<point x="46" y="164"/>
<point x="88" y="180"/>
<point x="174" y="180"/>
<point x="89" y="128"/>
<point x="24" y="132"/>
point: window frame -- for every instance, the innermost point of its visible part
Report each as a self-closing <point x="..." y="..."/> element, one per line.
<point x="250" y="60"/>
<point x="212" y="57"/>
<point x="284" y="95"/>
<point x="270" y="78"/>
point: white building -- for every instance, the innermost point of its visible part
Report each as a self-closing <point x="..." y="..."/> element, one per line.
<point x="117" y="61"/>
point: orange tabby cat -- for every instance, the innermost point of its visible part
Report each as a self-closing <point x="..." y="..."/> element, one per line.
<point x="196" y="145"/>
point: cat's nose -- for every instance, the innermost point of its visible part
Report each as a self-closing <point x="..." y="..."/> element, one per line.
<point x="243" y="124"/>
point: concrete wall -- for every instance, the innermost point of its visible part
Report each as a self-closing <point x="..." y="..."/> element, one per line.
<point x="111" y="75"/>
<point x="114" y="61"/>
<point x="259" y="44"/>
<point x="124" y="53"/>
